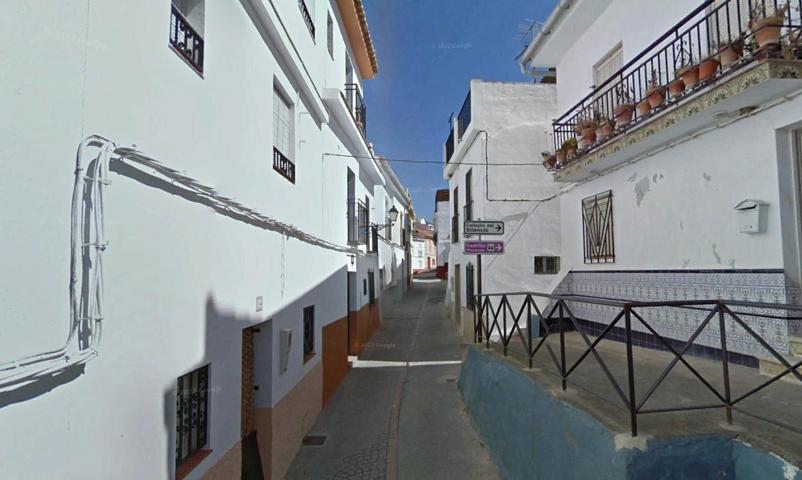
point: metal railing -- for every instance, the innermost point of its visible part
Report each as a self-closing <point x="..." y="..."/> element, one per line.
<point x="504" y="321"/>
<point x="310" y="24"/>
<point x="363" y="225"/>
<point x="185" y="40"/>
<point x="464" y="117"/>
<point x="450" y="145"/>
<point x="353" y="222"/>
<point x="283" y="165"/>
<point x="716" y="39"/>
<point x="356" y="105"/>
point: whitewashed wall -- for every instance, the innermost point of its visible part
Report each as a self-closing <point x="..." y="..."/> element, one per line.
<point x="516" y="118"/>
<point x="181" y="281"/>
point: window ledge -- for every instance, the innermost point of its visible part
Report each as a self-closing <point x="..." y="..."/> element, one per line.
<point x="190" y="463"/>
<point x="308" y="357"/>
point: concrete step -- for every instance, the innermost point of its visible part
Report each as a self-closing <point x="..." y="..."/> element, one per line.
<point x="771" y="367"/>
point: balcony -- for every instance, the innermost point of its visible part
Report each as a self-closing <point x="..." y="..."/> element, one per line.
<point x="723" y="59"/>
<point x="185" y="41"/>
<point x="464" y="117"/>
<point x="356" y="105"/>
<point x="450" y="145"/>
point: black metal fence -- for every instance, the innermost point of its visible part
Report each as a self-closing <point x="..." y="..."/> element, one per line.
<point x="717" y="38"/>
<point x="357" y="106"/>
<point x="185" y="40"/>
<point x="450" y="145"/>
<point x="464" y="117"/>
<point x="497" y="317"/>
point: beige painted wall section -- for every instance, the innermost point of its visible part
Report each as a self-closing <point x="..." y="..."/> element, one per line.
<point x="281" y="430"/>
<point x="230" y="466"/>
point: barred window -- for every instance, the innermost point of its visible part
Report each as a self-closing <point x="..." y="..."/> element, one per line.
<point x="597" y="228"/>
<point x="469" y="288"/>
<point x="371" y="287"/>
<point x="309" y="332"/>
<point x="192" y="415"/>
<point x="547" y="265"/>
<point x="282" y="124"/>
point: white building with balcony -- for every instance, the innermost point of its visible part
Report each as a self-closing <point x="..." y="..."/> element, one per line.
<point x="494" y="172"/>
<point x="686" y="180"/>
<point x="202" y="227"/>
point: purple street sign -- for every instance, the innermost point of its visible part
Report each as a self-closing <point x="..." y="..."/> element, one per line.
<point x="481" y="247"/>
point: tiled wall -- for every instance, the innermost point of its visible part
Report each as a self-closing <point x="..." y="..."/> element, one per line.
<point x="680" y="323"/>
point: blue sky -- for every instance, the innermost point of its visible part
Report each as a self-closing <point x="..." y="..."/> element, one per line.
<point x="428" y="51"/>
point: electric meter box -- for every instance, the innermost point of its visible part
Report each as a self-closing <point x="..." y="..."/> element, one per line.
<point x="752" y="216"/>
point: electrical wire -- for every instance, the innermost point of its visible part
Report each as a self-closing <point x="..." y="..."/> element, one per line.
<point x="434" y="162"/>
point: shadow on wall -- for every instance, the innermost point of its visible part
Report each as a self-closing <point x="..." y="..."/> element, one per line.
<point x="40" y="386"/>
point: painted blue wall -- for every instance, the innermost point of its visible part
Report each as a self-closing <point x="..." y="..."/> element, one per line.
<point x="532" y="435"/>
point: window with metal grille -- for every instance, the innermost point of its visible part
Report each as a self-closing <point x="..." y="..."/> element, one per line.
<point x="282" y="136"/>
<point x="362" y="220"/>
<point x="468" y="210"/>
<point x="469" y="292"/>
<point x="186" y="31"/>
<point x="455" y="217"/>
<point x="351" y="211"/>
<point x="330" y="34"/>
<point x="547" y="265"/>
<point x="371" y="287"/>
<point x="192" y="414"/>
<point x="597" y="228"/>
<point x="309" y="332"/>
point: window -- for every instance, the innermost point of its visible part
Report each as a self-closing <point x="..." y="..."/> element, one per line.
<point x="455" y="217"/>
<point x="547" y="265"/>
<point x="308" y="14"/>
<point x="309" y="332"/>
<point x="371" y="287"/>
<point x="469" y="293"/>
<point x="362" y="223"/>
<point x="186" y="31"/>
<point x="282" y="136"/>
<point x="330" y="35"/>
<point x="353" y="220"/>
<point x="597" y="228"/>
<point x="192" y="414"/>
<point x="607" y="66"/>
<point x="468" y="196"/>
<point x="364" y="286"/>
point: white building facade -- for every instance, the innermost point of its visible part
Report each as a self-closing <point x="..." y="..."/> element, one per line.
<point x="442" y="231"/>
<point x="494" y="173"/>
<point x="656" y="210"/>
<point x="206" y="231"/>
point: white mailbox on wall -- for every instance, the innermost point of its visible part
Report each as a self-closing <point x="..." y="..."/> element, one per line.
<point x="752" y="216"/>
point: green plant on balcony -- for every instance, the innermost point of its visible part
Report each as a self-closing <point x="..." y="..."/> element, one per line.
<point x="604" y="126"/>
<point x="626" y="105"/>
<point x="687" y="69"/>
<point x="731" y="52"/>
<point x="655" y="93"/>
<point x="765" y="25"/>
<point x="549" y="160"/>
<point x="569" y="148"/>
<point x="791" y="47"/>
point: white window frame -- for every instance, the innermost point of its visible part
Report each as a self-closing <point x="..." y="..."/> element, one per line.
<point x="610" y="63"/>
<point x="286" y="118"/>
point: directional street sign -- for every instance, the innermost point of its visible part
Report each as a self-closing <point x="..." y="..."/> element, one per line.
<point x="478" y="227"/>
<point x="483" y="247"/>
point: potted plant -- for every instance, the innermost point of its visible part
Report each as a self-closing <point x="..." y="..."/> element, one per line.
<point x="656" y="93"/>
<point x="587" y="131"/>
<point x="644" y="107"/>
<point x="569" y="147"/>
<point x="605" y="128"/>
<point x="731" y="52"/>
<point x="625" y="108"/>
<point x="792" y="46"/>
<point x="561" y="156"/>
<point x="766" y="27"/>
<point x="687" y="70"/>
<point x="709" y="66"/>
<point x="549" y="160"/>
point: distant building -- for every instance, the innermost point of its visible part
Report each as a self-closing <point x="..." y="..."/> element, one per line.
<point x="494" y="172"/>
<point x="424" y="251"/>
<point x="442" y="231"/>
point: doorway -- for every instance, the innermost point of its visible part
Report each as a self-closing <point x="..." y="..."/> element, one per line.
<point x="251" y="461"/>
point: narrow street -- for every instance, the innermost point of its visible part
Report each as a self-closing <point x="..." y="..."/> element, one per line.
<point x="398" y="414"/>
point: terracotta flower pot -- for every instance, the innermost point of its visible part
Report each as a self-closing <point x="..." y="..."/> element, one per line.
<point x="561" y="156"/>
<point x="589" y="134"/>
<point x="690" y="76"/>
<point x="656" y="96"/>
<point x="605" y="130"/>
<point x="676" y="87"/>
<point x="549" y="162"/>
<point x="708" y="69"/>
<point x="623" y="114"/>
<point x="731" y="54"/>
<point x="570" y="153"/>
<point x="767" y="30"/>
<point x="644" y="107"/>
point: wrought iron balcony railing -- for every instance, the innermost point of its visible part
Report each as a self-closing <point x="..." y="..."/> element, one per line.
<point x="464" y="117"/>
<point x="716" y="39"/>
<point x="501" y="318"/>
<point x="283" y="165"/>
<point x="450" y="145"/>
<point x="185" y="40"/>
<point x="310" y="24"/>
<point x="356" y="104"/>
